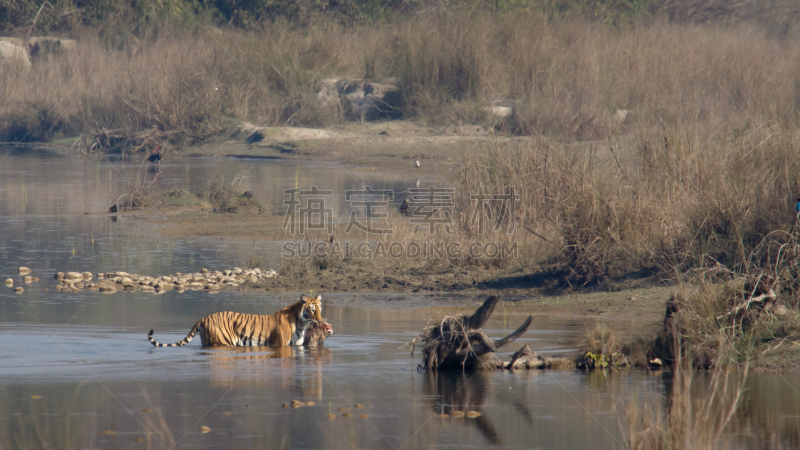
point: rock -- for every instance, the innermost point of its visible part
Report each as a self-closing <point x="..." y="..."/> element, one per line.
<point x="107" y="289"/>
<point x="50" y="45"/>
<point x="12" y="40"/>
<point x="24" y="270"/>
<point x="19" y="290"/>
<point x="362" y="99"/>
<point x="621" y="115"/>
<point x="28" y="279"/>
<point x="126" y="281"/>
<point x="73" y="276"/>
<point x="59" y="276"/>
<point x="79" y="285"/>
<point x="9" y="282"/>
<point x="14" y="54"/>
<point x="87" y="276"/>
<point x="780" y="310"/>
<point x="499" y="110"/>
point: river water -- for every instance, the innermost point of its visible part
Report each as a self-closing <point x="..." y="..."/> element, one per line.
<point x="76" y="370"/>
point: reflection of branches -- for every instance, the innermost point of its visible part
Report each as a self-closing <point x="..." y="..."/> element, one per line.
<point x="459" y="391"/>
<point x="161" y="427"/>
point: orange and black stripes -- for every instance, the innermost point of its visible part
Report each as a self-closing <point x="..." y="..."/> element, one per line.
<point x="231" y="329"/>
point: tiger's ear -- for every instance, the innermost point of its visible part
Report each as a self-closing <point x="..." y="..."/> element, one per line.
<point x="319" y="298"/>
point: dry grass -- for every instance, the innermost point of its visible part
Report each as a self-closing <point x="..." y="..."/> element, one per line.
<point x="696" y="413"/>
<point x="609" y="209"/>
<point x="701" y="166"/>
<point x="228" y="196"/>
<point x="722" y="318"/>
<point x="564" y="79"/>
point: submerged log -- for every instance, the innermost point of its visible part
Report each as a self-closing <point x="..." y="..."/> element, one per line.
<point x="457" y="342"/>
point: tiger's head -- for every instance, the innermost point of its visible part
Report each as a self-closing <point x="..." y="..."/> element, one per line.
<point x="311" y="309"/>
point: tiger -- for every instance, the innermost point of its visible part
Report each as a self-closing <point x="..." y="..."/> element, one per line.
<point x="231" y="329"/>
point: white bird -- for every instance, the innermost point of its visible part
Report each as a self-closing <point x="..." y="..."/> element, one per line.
<point x="416" y="163"/>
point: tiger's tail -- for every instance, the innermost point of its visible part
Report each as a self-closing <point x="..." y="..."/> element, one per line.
<point x="185" y="340"/>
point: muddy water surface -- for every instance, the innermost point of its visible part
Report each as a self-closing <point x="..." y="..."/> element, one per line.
<point x="76" y="370"/>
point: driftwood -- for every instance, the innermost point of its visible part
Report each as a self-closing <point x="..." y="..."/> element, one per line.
<point x="457" y="342"/>
<point x="761" y="299"/>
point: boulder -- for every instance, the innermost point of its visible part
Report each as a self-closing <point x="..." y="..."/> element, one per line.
<point x="362" y="99"/>
<point x="12" y="53"/>
<point x="50" y="45"/>
<point x="12" y="40"/>
<point x="499" y="109"/>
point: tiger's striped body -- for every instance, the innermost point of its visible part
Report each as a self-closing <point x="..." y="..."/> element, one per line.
<point x="230" y="329"/>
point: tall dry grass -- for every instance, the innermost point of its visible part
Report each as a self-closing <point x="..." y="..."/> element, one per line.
<point x="689" y="132"/>
<point x="662" y="201"/>
<point x="564" y="78"/>
<point x="697" y="412"/>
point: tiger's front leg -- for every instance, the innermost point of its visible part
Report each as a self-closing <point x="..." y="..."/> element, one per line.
<point x="299" y="336"/>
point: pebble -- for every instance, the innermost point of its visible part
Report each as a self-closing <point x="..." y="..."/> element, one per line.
<point x="19" y="290"/>
<point x="9" y="282"/>
<point x="205" y="280"/>
<point x="24" y="270"/>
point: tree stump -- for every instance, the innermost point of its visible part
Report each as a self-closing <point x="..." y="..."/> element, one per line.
<point x="457" y="343"/>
